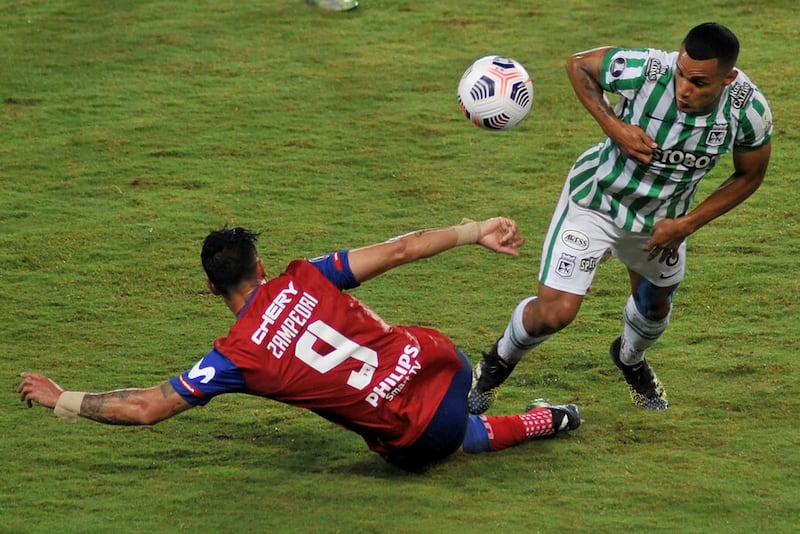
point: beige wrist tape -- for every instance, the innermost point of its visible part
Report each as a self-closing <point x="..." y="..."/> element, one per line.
<point x="467" y="233"/>
<point x="69" y="405"/>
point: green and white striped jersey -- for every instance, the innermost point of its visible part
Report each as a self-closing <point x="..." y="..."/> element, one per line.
<point x="689" y="145"/>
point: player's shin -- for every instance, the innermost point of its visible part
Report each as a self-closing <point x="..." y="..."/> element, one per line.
<point x="639" y="333"/>
<point x="516" y="342"/>
<point x="495" y="433"/>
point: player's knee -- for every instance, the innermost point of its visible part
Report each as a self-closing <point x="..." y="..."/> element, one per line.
<point x="556" y="315"/>
<point x="652" y="301"/>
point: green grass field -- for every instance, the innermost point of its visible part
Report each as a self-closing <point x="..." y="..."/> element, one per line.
<point x="128" y="130"/>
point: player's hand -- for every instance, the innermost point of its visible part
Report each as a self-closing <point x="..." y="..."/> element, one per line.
<point x="500" y="234"/>
<point x="38" y="388"/>
<point x="633" y="142"/>
<point x="665" y="238"/>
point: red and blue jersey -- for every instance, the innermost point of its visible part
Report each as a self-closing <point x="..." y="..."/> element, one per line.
<point x="301" y="340"/>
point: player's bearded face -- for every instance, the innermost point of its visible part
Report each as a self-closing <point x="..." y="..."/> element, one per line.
<point x="699" y="83"/>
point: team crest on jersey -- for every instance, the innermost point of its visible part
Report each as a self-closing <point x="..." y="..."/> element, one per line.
<point x="565" y="265"/>
<point x="716" y="136"/>
<point x="655" y="69"/>
<point x="617" y="67"/>
<point x="740" y="93"/>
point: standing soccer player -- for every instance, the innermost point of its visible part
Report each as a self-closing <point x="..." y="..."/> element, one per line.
<point x="678" y="113"/>
<point x="299" y="339"/>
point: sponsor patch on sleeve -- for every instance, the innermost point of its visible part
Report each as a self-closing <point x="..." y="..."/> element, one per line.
<point x="617" y="67"/>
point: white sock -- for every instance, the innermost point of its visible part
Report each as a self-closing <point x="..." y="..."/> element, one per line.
<point x="639" y="333"/>
<point x="516" y="342"/>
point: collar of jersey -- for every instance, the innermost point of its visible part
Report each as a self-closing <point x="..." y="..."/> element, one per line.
<point x="247" y="304"/>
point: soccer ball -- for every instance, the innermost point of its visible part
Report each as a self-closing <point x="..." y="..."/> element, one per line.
<point x="495" y="92"/>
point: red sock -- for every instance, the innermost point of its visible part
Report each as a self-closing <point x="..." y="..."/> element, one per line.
<point x="509" y="430"/>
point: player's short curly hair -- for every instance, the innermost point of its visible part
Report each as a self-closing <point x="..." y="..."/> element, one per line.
<point x="229" y="257"/>
<point x="712" y="40"/>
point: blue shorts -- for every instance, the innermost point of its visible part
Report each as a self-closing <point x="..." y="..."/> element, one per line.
<point x="445" y="433"/>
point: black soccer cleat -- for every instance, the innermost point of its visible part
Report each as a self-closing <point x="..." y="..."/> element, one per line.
<point x="489" y="374"/>
<point x="646" y="390"/>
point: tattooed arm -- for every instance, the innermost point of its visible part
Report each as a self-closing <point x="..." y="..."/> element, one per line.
<point x="120" y="407"/>
<point x="583" y="70"/>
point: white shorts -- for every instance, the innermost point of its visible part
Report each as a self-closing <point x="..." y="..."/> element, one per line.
<point x="579" y="237"/>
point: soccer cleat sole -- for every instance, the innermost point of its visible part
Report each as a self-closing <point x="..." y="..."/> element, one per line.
<point x="650" y="403"/>
<point x="487" y="377"/>
<point x="479" y="403"/>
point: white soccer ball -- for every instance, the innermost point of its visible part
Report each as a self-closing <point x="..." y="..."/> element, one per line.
<point x="495" y="92"/>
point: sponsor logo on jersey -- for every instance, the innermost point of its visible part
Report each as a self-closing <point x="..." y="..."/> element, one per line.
<point x="205" y="374"/>
<point x="273" y="311"/>
<point x="565" y="265"/>
<point x="716" y="136"/>
<point x="679" y="157"/>
<point x="617" y="67"/>
<point x="575" y="239"/>
<point x="740" y="93"/>
<point x="654" y="69"/>
<point x="388" y="388"/>
<point x="284" y="332"/>
<point x="588" y="264"/>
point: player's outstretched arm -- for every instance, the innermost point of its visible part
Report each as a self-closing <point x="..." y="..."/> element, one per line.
<point x="120" y="407"/>
<point x="498" y="234"/>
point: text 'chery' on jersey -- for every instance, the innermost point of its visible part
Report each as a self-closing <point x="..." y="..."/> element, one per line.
<point x="302" y="341"/>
